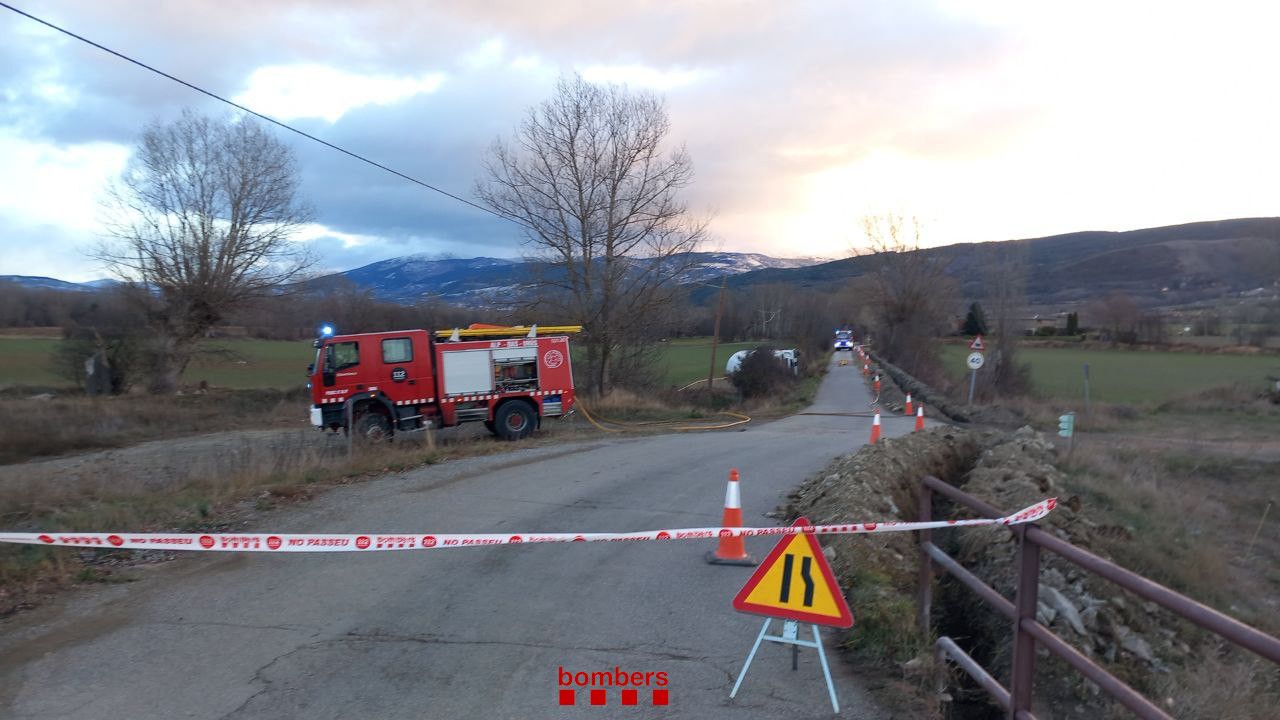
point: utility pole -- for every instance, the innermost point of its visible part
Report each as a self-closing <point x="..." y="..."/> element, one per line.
<point x="715" y="336"/>
<point x="1088" y="407"/>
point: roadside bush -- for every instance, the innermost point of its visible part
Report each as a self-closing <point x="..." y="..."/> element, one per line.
<point x="123" y="356"/>
<point x="762" y="374"/>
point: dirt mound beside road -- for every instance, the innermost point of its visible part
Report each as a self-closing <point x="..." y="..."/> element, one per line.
<point x="878" y="572"/>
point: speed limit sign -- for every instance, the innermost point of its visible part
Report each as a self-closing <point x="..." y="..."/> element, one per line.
<point x="975" y="360"/>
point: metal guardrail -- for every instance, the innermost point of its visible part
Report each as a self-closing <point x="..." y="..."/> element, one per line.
<point x="1016" y="699"/>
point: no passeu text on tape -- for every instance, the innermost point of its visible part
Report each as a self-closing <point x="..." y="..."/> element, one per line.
<point x="269" y="542"/>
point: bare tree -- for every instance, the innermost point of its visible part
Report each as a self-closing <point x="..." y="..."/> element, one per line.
<point x="1117" y="314"/>
<point x="908" y="293"/>
<point x="588" y="177"/>
<point x="1005" y="271"/>
<point x="201" y="219"/>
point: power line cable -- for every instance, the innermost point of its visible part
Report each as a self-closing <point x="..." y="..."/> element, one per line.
<point x="255" y="113"/>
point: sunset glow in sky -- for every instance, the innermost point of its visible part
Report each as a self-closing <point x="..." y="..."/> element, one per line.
<point x="988" y="120"/>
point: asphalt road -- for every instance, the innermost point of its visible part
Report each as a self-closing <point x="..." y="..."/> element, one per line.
<point x="463" y="633"/>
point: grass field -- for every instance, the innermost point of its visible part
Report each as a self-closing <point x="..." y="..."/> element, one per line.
<point x="28" y="361"/>
<point x="252" y="364"/>
<point x="244" y="364"/>
<point x="690" y="359"/>
<point x="1122" y="376"/>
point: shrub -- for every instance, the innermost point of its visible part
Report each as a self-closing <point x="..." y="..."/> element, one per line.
<point x="762" y="374"/>
<point x="125" y="356"/>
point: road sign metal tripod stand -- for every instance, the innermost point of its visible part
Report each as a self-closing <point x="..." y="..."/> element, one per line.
<point x="790" y="636"/>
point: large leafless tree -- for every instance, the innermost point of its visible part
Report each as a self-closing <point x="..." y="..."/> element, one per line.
<point x="908" y="293"/>
<point x="589" y="176"/>
<point x="200" y="222"/>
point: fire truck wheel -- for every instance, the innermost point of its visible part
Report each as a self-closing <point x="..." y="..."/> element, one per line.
<point x="373" y="427"/>
<point x="514" y="420"/>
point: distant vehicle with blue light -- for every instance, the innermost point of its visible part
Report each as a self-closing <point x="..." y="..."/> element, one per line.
<point x="844" y="340"/>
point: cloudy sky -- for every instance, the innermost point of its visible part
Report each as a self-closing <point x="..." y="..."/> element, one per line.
<point x="988" y="119"/>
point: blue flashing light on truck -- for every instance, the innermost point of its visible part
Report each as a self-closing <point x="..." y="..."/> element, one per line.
<point x="844" y="340"/>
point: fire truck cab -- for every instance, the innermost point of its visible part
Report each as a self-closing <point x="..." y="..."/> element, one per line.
<point x="383" y="383"/>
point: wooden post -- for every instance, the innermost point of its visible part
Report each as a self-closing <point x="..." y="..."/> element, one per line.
<point x="1088" y="407"/>
<point x="715" y="337"/>
<point x="924" y="604"/>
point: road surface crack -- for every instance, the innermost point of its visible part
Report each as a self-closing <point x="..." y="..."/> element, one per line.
<point x="428" y="639"/>
<point x="244" y="626"/>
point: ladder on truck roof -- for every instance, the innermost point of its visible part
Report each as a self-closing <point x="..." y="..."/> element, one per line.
<point x="481" y="330"/>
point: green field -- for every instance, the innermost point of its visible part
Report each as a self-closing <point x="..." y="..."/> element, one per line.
<point x="250" y="364"/>
<point x="254" y="364"/>
<point x="1128" y="376"/>
<point x="28" y="361"/>
<point x="241" y="364"/>
<point x="690" y="359"/>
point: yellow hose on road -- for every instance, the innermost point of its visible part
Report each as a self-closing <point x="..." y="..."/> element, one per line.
<point x="583" y="407"/>
<point x="740" y="419"/>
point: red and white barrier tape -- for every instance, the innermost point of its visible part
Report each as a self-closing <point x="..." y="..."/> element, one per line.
<point x="267" y="542"/>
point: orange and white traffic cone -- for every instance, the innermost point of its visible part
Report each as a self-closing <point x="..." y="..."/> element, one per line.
<point x="919" y="417"/>
<point x="908" y="409"/>
<point x="875" y="428"/>
<point x="866" y="369"/>
<point x="876" y="384"/>
<point x="732" y="549"/>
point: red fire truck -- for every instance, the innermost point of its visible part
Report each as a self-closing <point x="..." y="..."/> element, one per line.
<point x="382" y="383"/>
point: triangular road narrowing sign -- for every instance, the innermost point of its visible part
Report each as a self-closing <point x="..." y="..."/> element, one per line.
<point x="795" y="583"/>
<point x="977" y="344"/>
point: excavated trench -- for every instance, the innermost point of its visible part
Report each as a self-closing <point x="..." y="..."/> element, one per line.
<point x="1010" y="470"/>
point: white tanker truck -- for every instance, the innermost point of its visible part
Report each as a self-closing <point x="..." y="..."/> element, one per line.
<point x="791" y="357"/>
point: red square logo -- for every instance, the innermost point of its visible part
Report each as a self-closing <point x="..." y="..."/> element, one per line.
<point x="660" y="697"/>
<point x="597" y="697"/>
<point x="566" y="697"/>
<point x="629" y="697"/>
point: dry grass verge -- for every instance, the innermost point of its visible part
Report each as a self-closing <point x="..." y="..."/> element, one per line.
<point x="44" y="424"/>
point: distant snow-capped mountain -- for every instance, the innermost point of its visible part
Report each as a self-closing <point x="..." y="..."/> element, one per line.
<point x="48" y="283"/>
<point x="469" y="281"/>
<point x="412" y="278"/>
<point x="708" y="266"/>
<point x="486" y="280"/>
